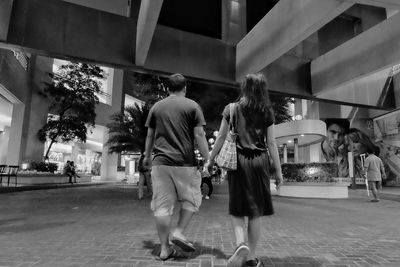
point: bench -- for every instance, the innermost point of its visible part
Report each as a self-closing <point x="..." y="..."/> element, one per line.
<point x="9" y="172"/>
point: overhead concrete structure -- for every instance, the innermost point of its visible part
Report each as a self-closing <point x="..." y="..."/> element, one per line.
<point x="363" y="55"/>
<point x="217" y="49"/>
<point x="276" y="33"/>
<point x="147" y="21"/>
<point x="379" y="3"/>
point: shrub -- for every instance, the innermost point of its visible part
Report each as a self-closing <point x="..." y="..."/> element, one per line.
<point x="310" y="172"/>
<point x="43" y="166"/>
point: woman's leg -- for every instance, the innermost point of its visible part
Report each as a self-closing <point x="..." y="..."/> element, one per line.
<point x="238" y="228"/>
<point x="254" y="230"/>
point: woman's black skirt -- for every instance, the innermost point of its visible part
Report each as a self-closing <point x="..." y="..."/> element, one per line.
<point x="249" y="186"/>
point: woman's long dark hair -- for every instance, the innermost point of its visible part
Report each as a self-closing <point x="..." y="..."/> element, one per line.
<point x="254" y="101"/>
<point x="360" y="137"/>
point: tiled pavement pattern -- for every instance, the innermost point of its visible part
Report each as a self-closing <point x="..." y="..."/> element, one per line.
<point x="107" y="226"/>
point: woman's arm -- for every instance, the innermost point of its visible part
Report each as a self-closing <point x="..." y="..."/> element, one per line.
<point x="273" y="150"/>
<point x="223" y="131"/>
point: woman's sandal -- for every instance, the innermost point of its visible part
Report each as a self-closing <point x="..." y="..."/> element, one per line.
<point x="171" y="256"/>
<point x="254" y="263"/>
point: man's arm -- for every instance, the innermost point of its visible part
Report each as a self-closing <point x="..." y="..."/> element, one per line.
<point x="149" y="146"/>
<point x="200" y="137"/>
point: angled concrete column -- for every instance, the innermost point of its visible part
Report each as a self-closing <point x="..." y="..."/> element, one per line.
<point x="14" y="144"/>
<point x="233" y="21"/>
<point x="365" y="54"/>
<point x="147" y="21"/>
<point x="5" y="14"/>
<point x="286" y="25"/>
<point x="380" y="3"/>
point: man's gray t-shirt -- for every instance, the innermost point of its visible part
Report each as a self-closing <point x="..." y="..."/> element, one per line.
<point x="173" y="120"/>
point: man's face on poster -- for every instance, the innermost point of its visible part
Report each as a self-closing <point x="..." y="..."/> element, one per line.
<point x="335" y="134"/>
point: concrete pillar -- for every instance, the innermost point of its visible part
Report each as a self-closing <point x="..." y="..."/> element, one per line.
<point x="14" y="144"/>
<point x="108" y="171"/>
<point x="304" y="153"/>
<point x="315" y="152"/>
<point x="233" y="20"/>
<point x="312" y="110"/>
<point x="296" y="150"/>
<point x="4" y="139"/>
<point x="109" y="162"/>
<point x="284" y="153"/>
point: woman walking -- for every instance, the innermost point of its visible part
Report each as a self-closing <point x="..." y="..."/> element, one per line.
<point x="249" y="185"/>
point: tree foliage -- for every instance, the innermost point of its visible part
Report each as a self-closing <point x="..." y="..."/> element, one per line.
<point x="127" y="130"/>
<point x="72" y="93"/>
<point x="280" y="105"/>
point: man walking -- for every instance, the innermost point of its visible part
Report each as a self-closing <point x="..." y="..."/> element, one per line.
<point x="174" y="124"/>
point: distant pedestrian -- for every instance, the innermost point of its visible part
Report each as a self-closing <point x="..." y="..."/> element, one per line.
<point x="249" y="185"/>
<point x="144" y="178"/>
<point x="205" y="180"/>
<point x="69" y="170"/>
<point x="374" y="171"/>
<point x="174" y="125"/>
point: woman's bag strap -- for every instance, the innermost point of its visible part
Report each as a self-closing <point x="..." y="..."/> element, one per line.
<point x="231" y="113"/>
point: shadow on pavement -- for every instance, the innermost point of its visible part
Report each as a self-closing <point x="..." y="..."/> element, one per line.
<point x="290" y="261"/>
<point x="8" y="221"/>
<point x="200" y="250"/>
<point x="15" y="226"/>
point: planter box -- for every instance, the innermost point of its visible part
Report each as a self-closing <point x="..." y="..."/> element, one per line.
<point x="315" y="190"/>
<point x="30" y="179"/>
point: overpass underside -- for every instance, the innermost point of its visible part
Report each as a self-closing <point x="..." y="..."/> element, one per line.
<point x="339" y="51"/>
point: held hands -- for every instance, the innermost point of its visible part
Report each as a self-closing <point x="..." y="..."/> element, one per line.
<point x="279" y="181"/>
<point x="147" y="162"/>
<point x="208" y="167"/>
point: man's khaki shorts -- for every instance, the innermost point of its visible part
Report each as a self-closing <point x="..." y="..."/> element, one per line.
<point x="172" y="184"/>
<point x="374" y="185"/>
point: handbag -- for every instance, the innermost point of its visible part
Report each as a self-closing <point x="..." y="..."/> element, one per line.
<point x="227" y="156"/>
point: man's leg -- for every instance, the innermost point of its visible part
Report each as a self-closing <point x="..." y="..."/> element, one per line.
<point x="149" y="183"/>
<point x="184" y="218"/>
<point x="162" y="204"/>
<point x="372" y="186"/>
<point x="163" y="224"/>
<point x="141" y="185"/>
<point x="187" y="182"/>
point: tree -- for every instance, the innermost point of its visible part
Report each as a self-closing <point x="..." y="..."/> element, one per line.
<point x="73" y="101"/>
<point x="280" y="105"/>
<point x="127" y="130"/>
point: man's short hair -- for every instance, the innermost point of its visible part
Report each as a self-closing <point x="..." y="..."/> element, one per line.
<point x="176" y="82"/>
<point x="343" y="123"/>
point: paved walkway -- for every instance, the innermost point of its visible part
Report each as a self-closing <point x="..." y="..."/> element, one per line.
<point x="106" y="225"/>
